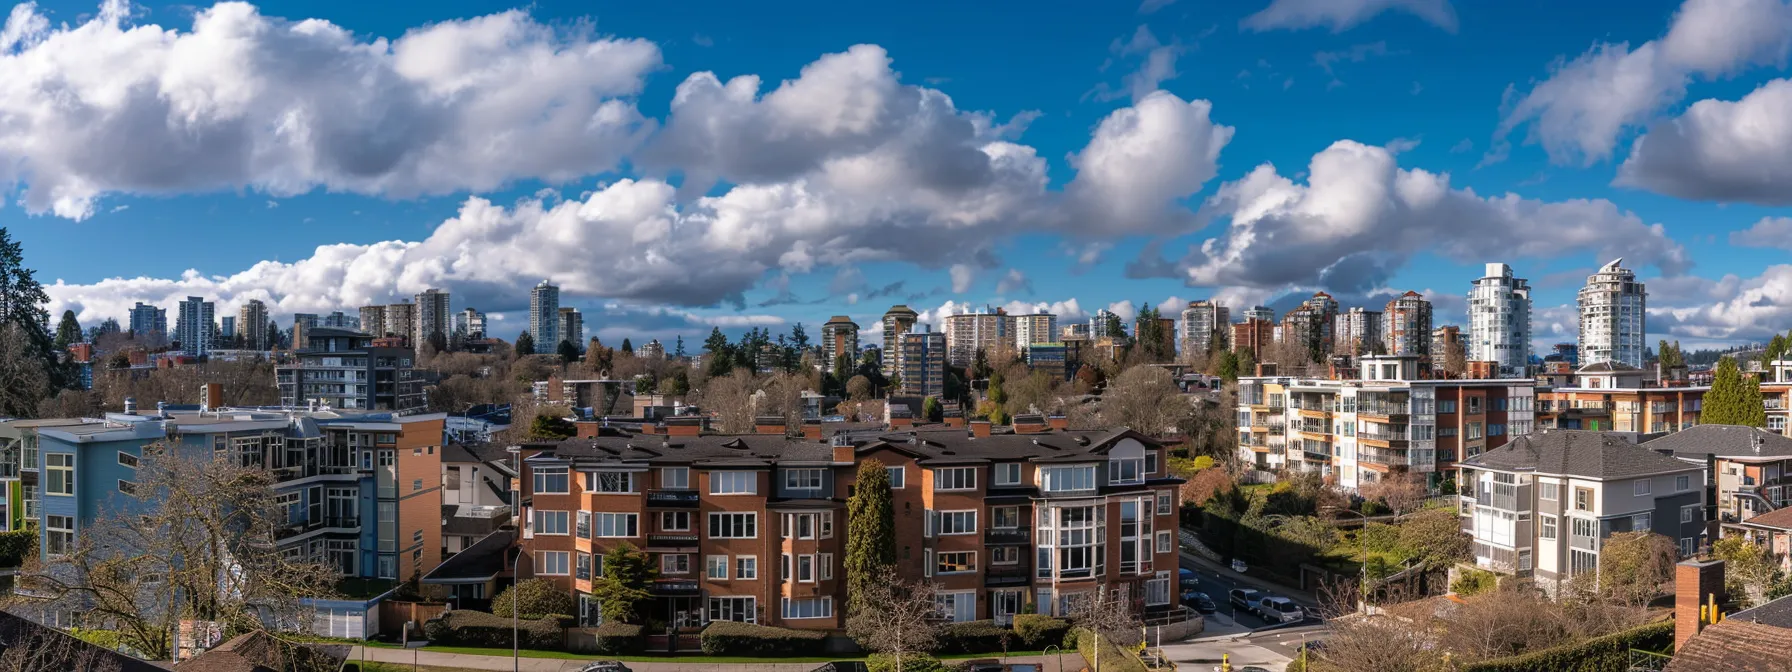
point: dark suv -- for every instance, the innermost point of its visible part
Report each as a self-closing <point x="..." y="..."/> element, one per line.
<point x="1244" y="598"/>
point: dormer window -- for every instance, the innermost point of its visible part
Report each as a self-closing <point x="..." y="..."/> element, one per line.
<point x="1126" y="463"/>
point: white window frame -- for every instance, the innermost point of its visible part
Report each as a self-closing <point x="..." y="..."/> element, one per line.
<point x="800" y="479"/>
<point x="959" y="522"/>
<point x="898" y="477"/>
<point x="547" y="522"/>
<point x="824" y="608"/>
<point x="670" y="563"/>
<point x="545" y="563"/>
<point x="1643" y="522"/>
<point x="1690" y="513"/>
<point x="746" y="567"/>
<point x="1164" y="545"/>
<point x="1682" y="478"/>
<point x="715" y="567"/>
<point x="958" y="478"/>
<point x="734" y="482"/>
<point x="735" y="604"/>
<point x="594" y="482"/>
<point x="1547" y="527"/>
<point x="747" y="519"/>
<point x="673" y="516"/>
<point x="675" y="478"/>
<point x="67" y="532"/>
<point x="618" y="525"/>
<point x="67" y="473"/>
<point x="542" y="481"/>
<point x="1642" y="487"/>
<point x="1006" y="473"/>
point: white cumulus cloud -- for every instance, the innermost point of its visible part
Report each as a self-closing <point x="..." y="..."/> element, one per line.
<point x="1720" y="150"/>
<point x="1342" y="15"/>
<point x="242" y="100"/>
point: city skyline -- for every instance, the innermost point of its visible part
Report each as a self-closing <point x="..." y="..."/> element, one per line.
<point x="1377" y="138"/>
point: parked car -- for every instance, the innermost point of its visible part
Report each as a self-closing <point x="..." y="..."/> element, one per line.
<point x="1279" y="609"/>
<point x="1187" y="578"/>
<point x="984" y="665"/>
<point x="1199" y="601"/>
<point x="605" y="666"/>
<point x="1244" y="598"/>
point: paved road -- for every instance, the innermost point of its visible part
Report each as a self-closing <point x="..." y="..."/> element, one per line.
<point x="1071" y="662"/>
<point x="1218" y="584"/>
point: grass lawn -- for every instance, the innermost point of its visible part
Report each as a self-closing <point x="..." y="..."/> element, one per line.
<point x="371" y="666"/>
<point x="564" y="655"/>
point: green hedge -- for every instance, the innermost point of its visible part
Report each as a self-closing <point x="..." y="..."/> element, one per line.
<point x="976" y="637"/>
<point x="912" y="662"/>
<point x="462" y="627"/>
<point x="1036" y="631"/>
<point x="728" y="638"/>
<point x="617" y="639"/>
<point x="1611" y="652"/>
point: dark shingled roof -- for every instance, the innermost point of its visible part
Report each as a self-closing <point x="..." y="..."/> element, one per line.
<point x="1577" y="453"/>
<point x="929" y="446"/>
<point x="259" y="651"/>
<point x="1735" y="644"/>
<point x="1723" y="441"/>
<point x="486" y="558"/>
<point x="54" y="649"/>
<point x="1777" y="613"/>
<point x="1777" y="518"/>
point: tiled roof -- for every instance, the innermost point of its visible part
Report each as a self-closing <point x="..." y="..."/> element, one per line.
<point x="930" y="446"/>
<point x="1577" y="453"/>
<point x="1723" y="441"/>
<point x="1777" y="518"/>
<point x="1735" y="645"/>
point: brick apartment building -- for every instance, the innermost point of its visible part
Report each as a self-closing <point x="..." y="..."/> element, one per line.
<point x="1614" y="397"/>
<point x="753" y="527"/>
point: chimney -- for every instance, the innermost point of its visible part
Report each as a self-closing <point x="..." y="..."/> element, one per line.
<point x="587" y="429"/>
<point x="1058" y="421"/>
<point x="684" y="426"/>
<point x="1698" y="589"/>
<point x="979" y="429"/>
<point x="843" y="450"/>
<point x="768" y="424"/>
<point x="812" y="429"/>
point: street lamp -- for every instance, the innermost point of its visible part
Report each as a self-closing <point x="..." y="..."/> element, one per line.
<point x="516" y="509"/>
<point x="1362" y="588"/>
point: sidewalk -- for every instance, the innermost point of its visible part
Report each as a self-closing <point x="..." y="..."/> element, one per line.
<point x="1072" y="662"/>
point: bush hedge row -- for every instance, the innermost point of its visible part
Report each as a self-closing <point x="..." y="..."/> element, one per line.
<point x="462" y="627"/>
<point x="1611" y="652"/>
<point x="976" y="637"/>
<point x="912" y="662"/>
<point x="1037" y="631"/>
<point x="729" y="638"/>
<point x="617" y="639"/>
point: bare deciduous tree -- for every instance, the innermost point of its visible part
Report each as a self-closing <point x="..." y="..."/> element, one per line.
<point x="195" y="541"/>
<point x="1145" y="399"/>
<point x="1400" y="491"/>
<point x="730" y="398"/>
<point x="896" y="617"/>
<point x="1634" y="567"/>
<point x="1110" y="619"/>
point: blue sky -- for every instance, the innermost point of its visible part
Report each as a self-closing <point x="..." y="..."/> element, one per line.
<point x="975" y="153"/>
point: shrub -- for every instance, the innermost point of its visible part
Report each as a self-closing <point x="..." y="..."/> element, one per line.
<point x="729" y="638"/>
<point x="1611" y="652"/>
<point x="617" y="639"/>
<point x="462" y="627"/>
<point x="535" y="598"/>
<point x="1473" y="582"/>
<point x="1070" y="638"/>
<point x="976" y="637"/>
<point x="17" y="545"/>
<point x="911" y="662"/>
<point x="1375" y="509"/>
<point x="1036" y="632"/>
<point x="1379" y="538"/>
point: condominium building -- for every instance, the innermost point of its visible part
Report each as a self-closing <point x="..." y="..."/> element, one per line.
<point x="1747" y="470"/>
<point x="147" y="319"/>
<point x="301" y="324"/>
<point x="227" y="327"/>
<point x="470" y="323"/>
<point x="1098" y="323"/>
<point x="1406" y="326"/>
<point x="360" y="492"/>
<point x="923" y="363"/>
<point x="1776" y="393"/>
<point x="1614" y="398"/>
<point x="1443" y="340"/>
<point x="401" y="322"/>
<point x="1612" y="316"/>
<point x="373" y="320"/>
<point x="652" y="350"/>
<point x="969" y="332"/>
<point x="753" y="528"/>
<point x="253" y="318"/>
<point x="433" y="317"/>
<point x="195" y="326"/>
<point x="1058" y="360"/>
<point x="1387" y="419"/>
<point x="544" y="317"/>
<point x="1357" y="331"/>
<point x="1033" y="329"/>
<point x="1204" y="323"/>
<point x="571" y="328"/>
<point x="341" y="321"/>
<point x="1544" y="505"/>
<point x="1264" y="313"/>
<point x="1075" y="330"/>
<point x="1499" y="313"/>
<point x="342" y="369"/>
<point x="898" y="320"/>
<point x="840" y="338"/>
<point x="1253" y="336"/>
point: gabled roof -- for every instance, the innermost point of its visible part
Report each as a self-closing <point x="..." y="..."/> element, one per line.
<point x="259" y="651"/>
<point x="1724" y="441"/>
<point x="54" y="649"/>
<point x="1735" y="645"/>
<point x="481" y="562"/>
<point x="1583" y="454"/>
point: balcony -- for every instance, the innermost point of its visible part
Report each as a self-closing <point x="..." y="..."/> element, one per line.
<point x="1007" y="575"/>
<point x="1311" y="456"/>
<point x="329" y="522"/>
<point x="671" y="542"/>
<point x="1392" y="458"/>
<point x="1387" y="410"/>
<point x="674" y="588"/>
<point x="672" y="499"/>
<point x="1007" y="535"/>
<point x="1583" y="543"/>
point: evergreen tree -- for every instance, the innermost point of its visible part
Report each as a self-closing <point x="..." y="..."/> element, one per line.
<point x="1114" y="328"/>
<point x="1776" y="349"/>
<point x="678" y="349"/>
<point x="677" y="383"/>
<point x="623" y="589"/>
<point x="931" y="409"/>
<point x="1734" y="399"/>
<point x="68" y="331"/>
<point x="799" y="338"/>
<point x="22" y="301"/>
<point x="718" y="354"/>
<point x="870" y="529"/>
<point x="567" y="351"/>
<point x="1227" y="365"/>
<point x="997" y="395"/>
<point x="628" y="349"/>
<point x="980" y="365"/>
<point x="525" y="344"/>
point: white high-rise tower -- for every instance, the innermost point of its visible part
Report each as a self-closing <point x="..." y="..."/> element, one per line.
<point x="1612" y="319"/>
<point x="1499" y="321"/>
